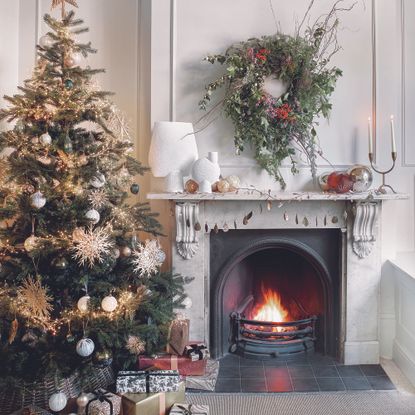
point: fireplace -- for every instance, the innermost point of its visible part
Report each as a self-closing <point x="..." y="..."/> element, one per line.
<point x="336" y="236"/>
<point x="287" y="276"/>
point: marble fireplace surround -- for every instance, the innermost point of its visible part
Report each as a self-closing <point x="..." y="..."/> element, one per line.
<point x="357" y="216"/>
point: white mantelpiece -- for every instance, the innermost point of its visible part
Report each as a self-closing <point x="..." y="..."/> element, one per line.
<point x="356" y="215"/>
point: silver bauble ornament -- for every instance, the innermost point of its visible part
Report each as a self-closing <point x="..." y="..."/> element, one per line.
<point x="109" y="303"/>
<point x="45" y="139"/>
<point x="46" y="41"/>
<point x="77" y="234"/>
<point x="31" y="243"/>
<point x="98" y="180"/>
<point x="115" y="253"/>
<point x="93" y="215"/>
<point x="361" y="177"/>
<point x="187" y="303"/>
<point x="125" y="251"/>
<point x="85" y="347"/>
<point x="57" y="401"/>
<point x="37" y="200"/>
<point x="82" y="400"/>
<point x="83" y="303"/>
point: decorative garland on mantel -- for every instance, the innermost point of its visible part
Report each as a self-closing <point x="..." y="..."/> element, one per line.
<point x="276" y="126"/>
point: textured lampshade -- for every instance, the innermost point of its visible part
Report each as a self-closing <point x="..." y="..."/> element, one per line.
<point x="173" y="148"/>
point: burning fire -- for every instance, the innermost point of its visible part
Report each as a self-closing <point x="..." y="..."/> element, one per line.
<point x="270" y="309"/>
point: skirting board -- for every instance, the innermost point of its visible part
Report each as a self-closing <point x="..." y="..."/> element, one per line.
<point x="361" y="353"/>
<point x="403" y="361"/>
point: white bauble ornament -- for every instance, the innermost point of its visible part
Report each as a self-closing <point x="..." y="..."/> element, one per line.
<point x="37" y="200"/>
<point x="46" y="41"/>
<point x="83" y="303"/>
<point x="57" y="401"/>
<point x="187" y="303"/>
<point x="76" y="58"/>
<point x="109" y="303"/>
<point x="98" y="181"/>
<point x="82" y="400"/>
<point x="115" y="253"/>
<point x="93" y="216"/>
<point x="45" y="139"/>
<point x="31" y="243"/>
<point x="85" y="347"/>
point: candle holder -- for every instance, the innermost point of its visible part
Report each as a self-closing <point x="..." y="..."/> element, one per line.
<point x="383" y="187"/>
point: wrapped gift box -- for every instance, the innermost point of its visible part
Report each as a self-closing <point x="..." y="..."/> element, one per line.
<point x="103" y="403"/>
<point x="206" y="382"/>
<point x="148" y="381"/>
<point x="183" y="364"/>
<point x="152" y="403"/>
<point x="189" y="409"/>
<point x="178" y="336"/>
<point x="197" y="351"/>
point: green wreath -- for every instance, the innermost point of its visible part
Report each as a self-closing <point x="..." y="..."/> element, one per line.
<point x="276" y="125"/>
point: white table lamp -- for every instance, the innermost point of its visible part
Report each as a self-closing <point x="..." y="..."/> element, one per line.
<point x="173" y="150"/>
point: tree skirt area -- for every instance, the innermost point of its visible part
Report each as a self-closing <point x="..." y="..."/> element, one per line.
<point x="319" y="403"/>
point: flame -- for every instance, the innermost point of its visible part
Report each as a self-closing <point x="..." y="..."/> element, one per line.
<point x="270" y="309"/>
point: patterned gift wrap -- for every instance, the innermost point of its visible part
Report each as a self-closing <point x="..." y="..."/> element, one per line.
<point x="206" y="382"/>
<point x="189" y="409"/>
<point x="183" y="364"/>
<point x="197" y="351"/>
<point x="148" y="381"/>
<point x="152" y="403"/>
<point x="104" y="403"/>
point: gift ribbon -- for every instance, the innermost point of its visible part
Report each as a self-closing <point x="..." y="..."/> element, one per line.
<point x="102" y="396"/>
<point x="162" y="404"/>
<point x="174" y="362"/>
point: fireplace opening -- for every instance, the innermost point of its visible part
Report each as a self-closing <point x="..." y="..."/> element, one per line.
<point x="277" y="296"/>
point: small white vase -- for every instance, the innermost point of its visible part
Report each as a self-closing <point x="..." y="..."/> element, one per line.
<point x="206" y="168"/>
<point x="174" y="182"/>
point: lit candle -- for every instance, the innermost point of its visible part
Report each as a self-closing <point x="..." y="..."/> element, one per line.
<point x="393" y="135"/>
<point x="369" y="130"/>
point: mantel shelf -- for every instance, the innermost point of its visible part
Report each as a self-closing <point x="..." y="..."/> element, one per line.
<point x="252" y="195"/>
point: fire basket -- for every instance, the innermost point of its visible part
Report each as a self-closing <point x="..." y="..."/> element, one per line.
<point x="266" y="339"/>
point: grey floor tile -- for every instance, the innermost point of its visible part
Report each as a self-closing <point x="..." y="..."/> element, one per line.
<point x="301" y="372"/>
<point x="228" y="385"/>
<point x="229" y="372"/>
<point x="282" y="384"/>
<point x="276" y="372"/>
<point x="350" y="371"/>
<point x="380" y="382"/>
<point x="252" y="372"/>
<point x="305" y="385"/>
<point x="373" y="370"/>
<point x="356" y="383"/>
<point x="330" y="384"/>
<point x="325" y="371"/>
<point x="253" y="385"/>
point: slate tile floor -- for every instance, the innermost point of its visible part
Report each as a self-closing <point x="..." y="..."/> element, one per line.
<point x="311" y="373"/>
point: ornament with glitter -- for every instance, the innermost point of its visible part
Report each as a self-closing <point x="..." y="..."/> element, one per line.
<point x="93" y="246"/>
<point x="146" y="258"/>
<point x="135" y="345"/>
<point x="98" y="198"/>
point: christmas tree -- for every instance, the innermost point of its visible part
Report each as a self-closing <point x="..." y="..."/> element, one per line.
<point x="80" y="283"/>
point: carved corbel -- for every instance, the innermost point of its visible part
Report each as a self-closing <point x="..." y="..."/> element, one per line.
<point x="187" y="216"/>
<point x="364" y="228"/>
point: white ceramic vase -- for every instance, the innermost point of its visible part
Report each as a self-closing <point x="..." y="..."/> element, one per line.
<point x="206" y="168"/>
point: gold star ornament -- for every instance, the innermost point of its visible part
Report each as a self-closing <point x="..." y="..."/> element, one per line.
<point x="62" y="4"/>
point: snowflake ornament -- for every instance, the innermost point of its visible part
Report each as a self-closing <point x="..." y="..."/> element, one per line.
<point x="147" y="258"/>
<point x="92" y="246"/>
<point x="135" y="345"/>
<point x="98" y="198"/>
